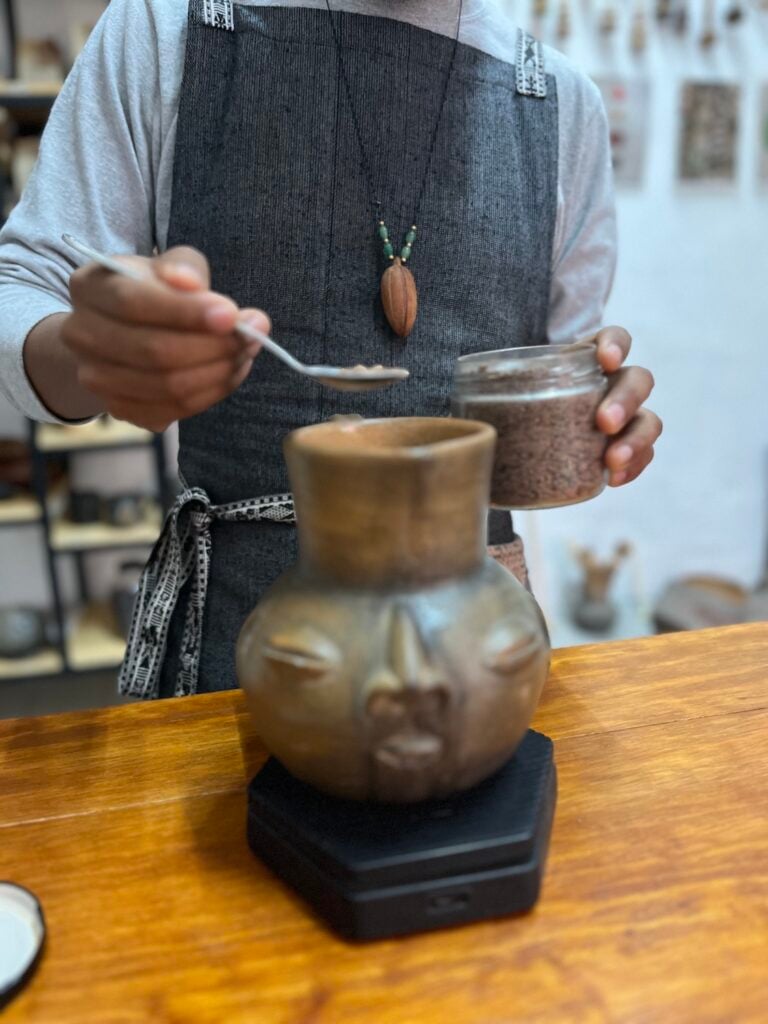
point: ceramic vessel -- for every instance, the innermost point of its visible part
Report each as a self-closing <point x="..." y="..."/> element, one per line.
<point x="395" y="661"/>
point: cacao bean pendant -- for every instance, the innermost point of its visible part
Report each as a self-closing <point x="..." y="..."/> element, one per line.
<point x="399" y="298"/>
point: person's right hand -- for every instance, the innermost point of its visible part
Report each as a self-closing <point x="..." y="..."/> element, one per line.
<point x="157" y="351"/>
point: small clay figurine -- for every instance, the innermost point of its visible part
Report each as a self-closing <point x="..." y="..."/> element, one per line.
<point x="593" y="608"/>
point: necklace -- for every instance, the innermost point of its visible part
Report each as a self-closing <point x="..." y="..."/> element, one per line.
<point x="399" y="296"/>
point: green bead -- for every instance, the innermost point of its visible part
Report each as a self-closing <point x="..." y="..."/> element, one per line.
<point x="410" y="238"/>
<point x="405" y="252"/>
<point x="388" y="250"/>
<point x="383" y="233"/>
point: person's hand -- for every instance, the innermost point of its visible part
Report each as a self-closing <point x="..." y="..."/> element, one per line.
<point x="157" y="351"/>
<point x="633" y="429"/>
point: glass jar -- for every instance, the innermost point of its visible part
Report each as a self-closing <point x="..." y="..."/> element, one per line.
<point x="543" y="403"/>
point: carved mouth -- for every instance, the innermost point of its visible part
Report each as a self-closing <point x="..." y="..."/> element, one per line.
<point x="409" y="751"/>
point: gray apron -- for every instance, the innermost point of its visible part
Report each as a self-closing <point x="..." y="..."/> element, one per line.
<point x="268" y="184"/>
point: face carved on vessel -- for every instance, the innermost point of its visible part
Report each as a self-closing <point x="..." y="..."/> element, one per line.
<point x="410" y="712"/>
<point x="302" y="653"/>
<point x="393" y="696"/>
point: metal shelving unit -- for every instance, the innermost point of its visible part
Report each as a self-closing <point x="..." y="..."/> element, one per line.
<point x="9" y="15"/>
<point x="87" y="639"/>
<point x="27" y="97"/>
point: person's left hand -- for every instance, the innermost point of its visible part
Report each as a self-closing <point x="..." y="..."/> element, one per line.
<point x="634" y="429"/>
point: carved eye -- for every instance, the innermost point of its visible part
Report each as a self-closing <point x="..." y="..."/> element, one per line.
<point x="504" y="658"/>
<point x="301" y="654"/>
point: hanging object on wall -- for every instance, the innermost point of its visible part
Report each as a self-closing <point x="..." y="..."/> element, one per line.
<point x="564" y="25"/>
<point x="663" y="10"/>
<point x="540" y="8"/>
<point x="607" y="19"/>
<point x="762" y="166"/>
<point x="680" y="18"/>
<point x="708" y="36"/>
<point x="627" y="103"/>
<point x="592" y="606"/>
<point x="709" y="132"/>
<point x="638" y="37"/>
<point x="734" y="14"/>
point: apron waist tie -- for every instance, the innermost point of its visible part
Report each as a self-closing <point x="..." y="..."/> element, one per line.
<point x="183" y="552"/>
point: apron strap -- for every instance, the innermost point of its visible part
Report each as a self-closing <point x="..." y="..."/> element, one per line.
<point x="531" y="78"/>
<point x="183" y="552"/>
<point x="219" y="14"/>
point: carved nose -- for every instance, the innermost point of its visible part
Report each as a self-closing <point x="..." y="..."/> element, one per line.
<point x="409" y="658"/>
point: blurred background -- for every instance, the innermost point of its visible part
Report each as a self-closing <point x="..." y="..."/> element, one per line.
<point x="686" y="89"/>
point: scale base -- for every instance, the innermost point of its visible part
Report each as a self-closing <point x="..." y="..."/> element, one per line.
<point x="378" y="870"/>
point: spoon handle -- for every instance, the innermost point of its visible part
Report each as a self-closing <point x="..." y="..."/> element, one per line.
<point x="245" y="330"/>
<point x="251" y="333"/>
<point x="105" y="261"/>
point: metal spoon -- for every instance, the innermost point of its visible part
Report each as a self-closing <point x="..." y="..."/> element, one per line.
<point x="359" y="378"/>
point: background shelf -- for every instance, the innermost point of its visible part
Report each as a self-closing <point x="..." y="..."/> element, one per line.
<point x="45" y="663"/>
<point x="22" y="509"/>
<point x="99" y="434"/>
<point x="94" y="642"/>
<point x="19" y="95"/>
<point x="67" y="536"/>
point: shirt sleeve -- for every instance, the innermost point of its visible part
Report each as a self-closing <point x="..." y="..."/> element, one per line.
<point x="94" y="179"/>
<point x="584" y="257"/>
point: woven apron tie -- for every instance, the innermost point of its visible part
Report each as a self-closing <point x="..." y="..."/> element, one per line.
<point x="183" y="552"/>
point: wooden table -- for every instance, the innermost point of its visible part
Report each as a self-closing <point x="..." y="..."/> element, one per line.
<point x="129" y="825"/>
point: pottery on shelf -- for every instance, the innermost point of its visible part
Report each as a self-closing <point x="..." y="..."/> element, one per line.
<point x="395" y="661"/>
<point x="23" y="632"/>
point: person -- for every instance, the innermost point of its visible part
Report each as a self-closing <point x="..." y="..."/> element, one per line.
<point x="245" y="156"/>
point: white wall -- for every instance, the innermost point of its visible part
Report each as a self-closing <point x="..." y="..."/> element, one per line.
<point x="692" y="287"/>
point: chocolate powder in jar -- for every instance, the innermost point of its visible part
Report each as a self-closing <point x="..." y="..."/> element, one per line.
<point x="549" y="450"/>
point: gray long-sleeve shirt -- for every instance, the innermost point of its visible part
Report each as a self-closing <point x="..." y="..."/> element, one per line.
<point x="106" y="160"/>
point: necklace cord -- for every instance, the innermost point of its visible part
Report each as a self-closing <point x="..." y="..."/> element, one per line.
<point x="433" y="141"/>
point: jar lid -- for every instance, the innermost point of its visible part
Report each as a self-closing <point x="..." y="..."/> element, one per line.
<point x="534" y="362"/>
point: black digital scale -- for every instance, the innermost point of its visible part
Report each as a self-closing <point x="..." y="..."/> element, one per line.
<point x="376" y="870"/>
